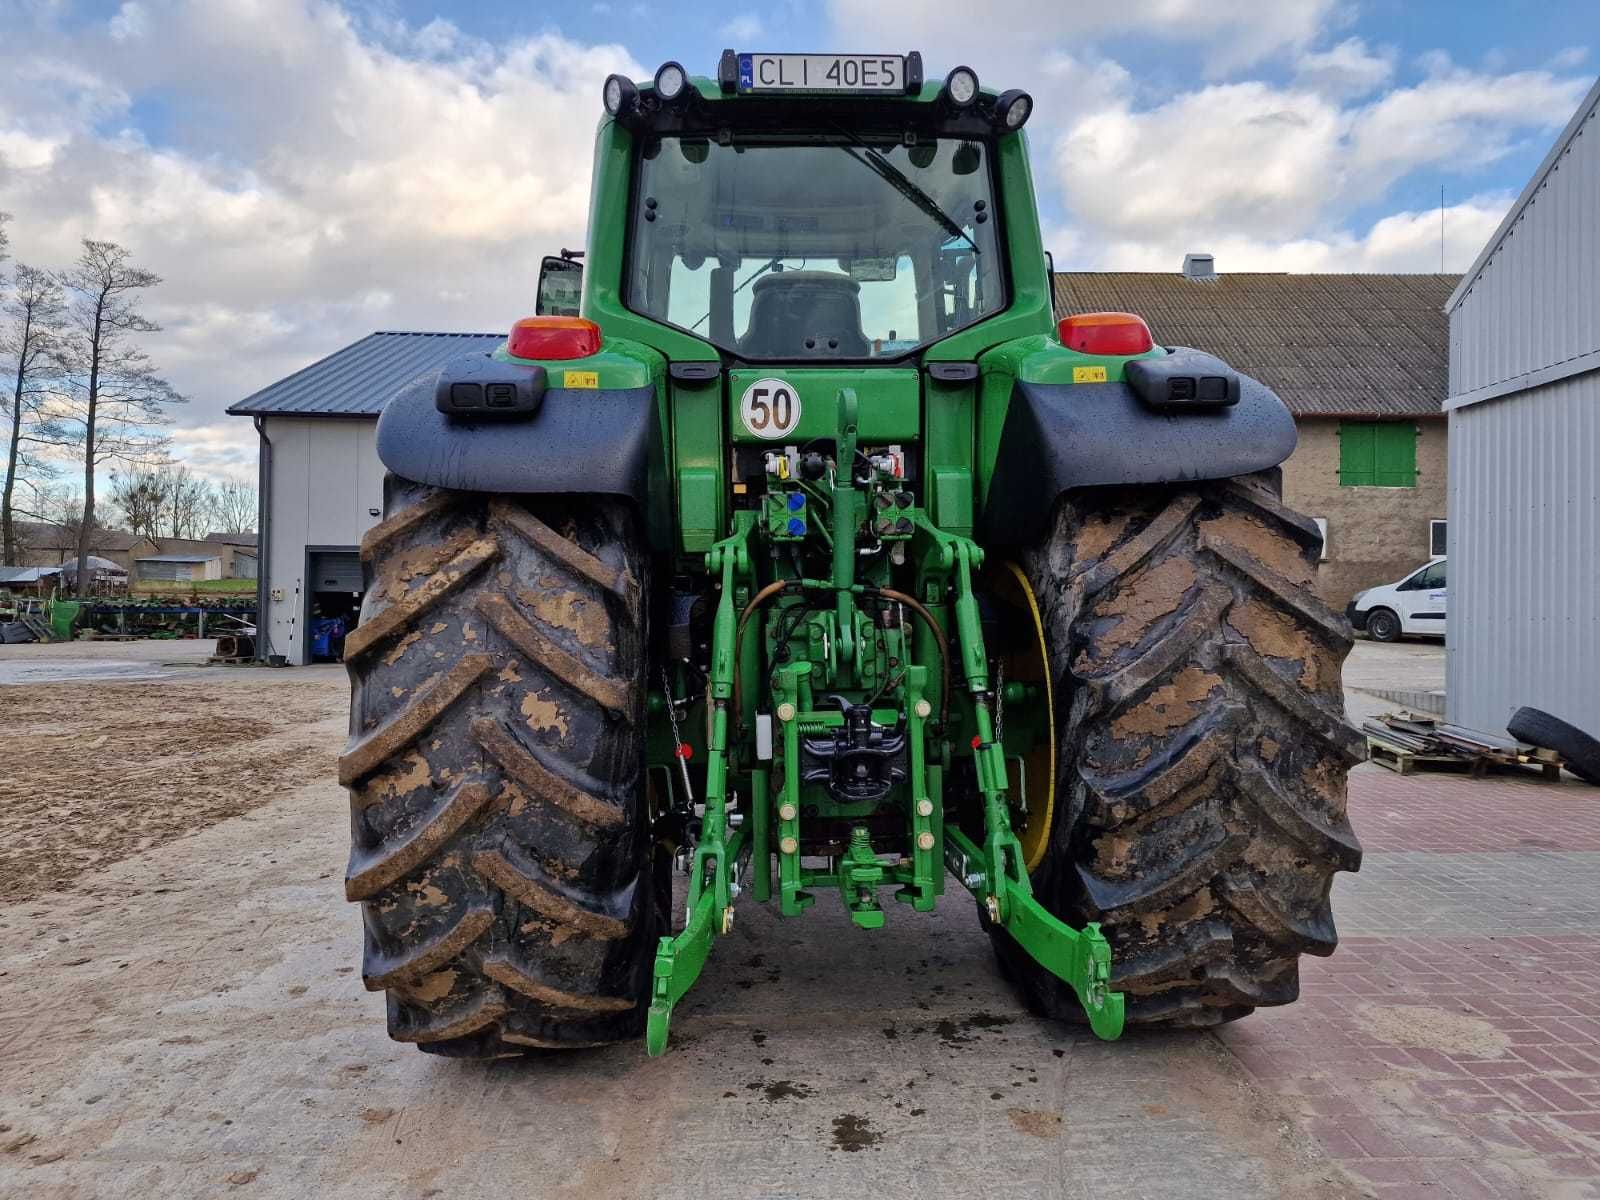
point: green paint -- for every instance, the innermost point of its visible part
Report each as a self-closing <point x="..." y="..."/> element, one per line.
<point x="848" y="792"/>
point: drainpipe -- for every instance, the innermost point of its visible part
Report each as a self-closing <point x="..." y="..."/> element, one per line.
<point x="263" y="538"/>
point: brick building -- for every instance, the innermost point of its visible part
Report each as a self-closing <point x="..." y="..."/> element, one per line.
<point x="1361" y="361"/>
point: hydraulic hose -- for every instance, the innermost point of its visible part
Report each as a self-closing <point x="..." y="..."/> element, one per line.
<point x="756" y="601"/>
<point x="932" y="623"/>
<point x="915" y="605"/>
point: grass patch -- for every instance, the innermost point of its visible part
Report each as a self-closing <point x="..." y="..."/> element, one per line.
<point x="185" y="587"/>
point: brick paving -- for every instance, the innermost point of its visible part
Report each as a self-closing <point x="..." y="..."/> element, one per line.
<point x="1450" y="1049"/>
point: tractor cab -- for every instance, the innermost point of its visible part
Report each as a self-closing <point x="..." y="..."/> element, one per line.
<point x="805" y="209"/>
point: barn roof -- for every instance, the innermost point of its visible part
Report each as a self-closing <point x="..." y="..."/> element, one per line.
<point x="1368" y="346"/>
<point x="360" y="379"/>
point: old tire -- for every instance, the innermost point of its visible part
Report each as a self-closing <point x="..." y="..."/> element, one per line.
<point x="1383" y="625"/>
<point x="498" y="844"/>
<point x="1539" y="728"/>
<point x="1202" y="748"/>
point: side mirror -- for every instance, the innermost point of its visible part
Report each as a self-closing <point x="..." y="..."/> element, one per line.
<point x="560" y="287"/>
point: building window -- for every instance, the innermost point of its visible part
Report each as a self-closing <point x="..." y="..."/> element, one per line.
<point x="1436" y="538"/>
<point x="1378" y="454"/>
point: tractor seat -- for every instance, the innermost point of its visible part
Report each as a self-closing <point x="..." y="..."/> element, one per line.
<point x="805" y="314"/>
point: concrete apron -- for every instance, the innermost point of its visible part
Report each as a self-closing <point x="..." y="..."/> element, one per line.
<point x="191" y="1021"/>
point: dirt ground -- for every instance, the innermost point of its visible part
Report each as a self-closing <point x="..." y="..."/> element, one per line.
<point x="93" y="772"/>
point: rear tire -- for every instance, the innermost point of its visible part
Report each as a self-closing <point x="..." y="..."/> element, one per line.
<point x="1383" y="625"/>
<point x="495" y="763"/>
<point x="1202" y="748"/>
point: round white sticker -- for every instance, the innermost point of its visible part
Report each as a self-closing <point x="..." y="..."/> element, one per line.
<point x="770" y="408"/>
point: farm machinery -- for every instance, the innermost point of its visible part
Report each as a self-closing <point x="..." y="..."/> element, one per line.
<point x="798" y="546"/>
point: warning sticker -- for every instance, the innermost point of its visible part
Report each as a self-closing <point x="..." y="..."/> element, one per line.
<point x="1088" y="374"/>
<point x="587" y="379"/>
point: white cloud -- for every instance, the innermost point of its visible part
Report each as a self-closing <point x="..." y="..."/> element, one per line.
<point x="129" y="22"/>
<point x="1347" y="70"/>
<point x="743" y="29"/>
<point x="1279" y="163"/>
<point x="1232" y="33"/>
<point x="333" y="179"/>
<point x="1401" y="242"/>
<point x="217" y="450"/>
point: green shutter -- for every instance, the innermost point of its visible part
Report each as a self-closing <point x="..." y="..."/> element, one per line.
<point x="1378" y="454"/>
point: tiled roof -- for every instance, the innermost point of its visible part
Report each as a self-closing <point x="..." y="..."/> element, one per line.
<point x="360" y="379"/>
<point x="42" y="535"/>
<point x="1330" y="345"/>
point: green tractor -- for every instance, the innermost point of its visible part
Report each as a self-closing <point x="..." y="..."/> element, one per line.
<point x="796" y="546"/>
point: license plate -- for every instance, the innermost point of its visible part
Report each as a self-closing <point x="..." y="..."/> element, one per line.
<point x="822" y="73"/>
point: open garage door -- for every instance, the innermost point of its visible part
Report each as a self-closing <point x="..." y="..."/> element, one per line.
<point x="333" y="602"/>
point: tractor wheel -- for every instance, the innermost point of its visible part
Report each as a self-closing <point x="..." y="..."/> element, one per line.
<point x="1199" y="812"/>
<point x="495" y="765"/>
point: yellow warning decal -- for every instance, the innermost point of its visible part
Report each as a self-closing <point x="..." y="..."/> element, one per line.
<point x="1084" y="375"/>
<point x="591" y="379"/>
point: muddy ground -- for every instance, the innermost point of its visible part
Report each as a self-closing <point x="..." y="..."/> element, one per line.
<point x="96" y="766"/>
<point x="181" y="1015"/>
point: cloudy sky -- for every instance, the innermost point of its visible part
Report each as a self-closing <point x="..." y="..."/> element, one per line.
<point x="303" y="172"/>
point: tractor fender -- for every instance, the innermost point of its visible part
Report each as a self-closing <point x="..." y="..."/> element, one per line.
<point x="594" y="441"/>
<point x="1057" y="437"/>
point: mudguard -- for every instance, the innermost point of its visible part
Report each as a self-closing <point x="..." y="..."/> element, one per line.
<point x="580" y="440"/>
<point x="1062" y="436"/>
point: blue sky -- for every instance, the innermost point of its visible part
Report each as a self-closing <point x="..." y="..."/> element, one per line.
<point x="304" y="171"/>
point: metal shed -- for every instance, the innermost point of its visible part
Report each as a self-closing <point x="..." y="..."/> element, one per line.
<point x="1524" y="412"/>
<point x="321" y="484"/>
<point x="175" y="567"/>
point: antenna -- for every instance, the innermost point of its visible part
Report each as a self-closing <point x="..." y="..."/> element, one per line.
<point x="1441" y="229"/>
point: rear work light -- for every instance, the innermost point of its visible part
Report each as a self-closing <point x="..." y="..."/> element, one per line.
<point x="553" y="337"/>
<point x="1105" y="333"/>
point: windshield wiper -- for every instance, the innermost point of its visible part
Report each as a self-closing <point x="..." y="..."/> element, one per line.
<point x="875" y="162"/>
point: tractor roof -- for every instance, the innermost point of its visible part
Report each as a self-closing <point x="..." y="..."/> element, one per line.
<point x="851" y="91"/>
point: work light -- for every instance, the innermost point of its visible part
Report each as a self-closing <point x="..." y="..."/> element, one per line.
<point x="961" y="86"/>
<point x="1012" y="109"/>
<point x="670" y="81"/>
<point x="620" y="95"/>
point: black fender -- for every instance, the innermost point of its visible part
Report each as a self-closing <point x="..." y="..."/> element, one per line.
<point x="1057" y="437"/>
<point x="578" y="440"/>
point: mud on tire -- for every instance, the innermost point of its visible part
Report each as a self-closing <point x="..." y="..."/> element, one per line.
<point x="1200" y="804"/>
<point x="494" y="766"/>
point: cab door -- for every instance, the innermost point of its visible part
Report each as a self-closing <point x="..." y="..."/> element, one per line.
<point x="1423" y="600"/>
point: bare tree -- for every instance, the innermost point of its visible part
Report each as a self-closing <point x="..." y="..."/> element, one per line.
<point x="30" y="346"/>
<point x="233" y="507"/>
<point x="140" y="495"/>
<point x="188" y="503"/>
<point x="114" y="400"/>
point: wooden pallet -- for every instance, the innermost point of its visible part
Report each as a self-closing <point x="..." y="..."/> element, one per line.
<point x="1404" y="762"/>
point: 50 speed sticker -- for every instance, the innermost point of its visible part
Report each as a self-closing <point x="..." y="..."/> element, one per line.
<point x="770" y="408"/>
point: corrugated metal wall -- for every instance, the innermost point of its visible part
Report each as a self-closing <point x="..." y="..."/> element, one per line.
<point x="1536" y="302"/>
<point x="1525" y="457"/>
<point x="1525" y="556"/>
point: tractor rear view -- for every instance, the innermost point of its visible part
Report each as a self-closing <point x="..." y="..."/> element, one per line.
<point x="813" y="555"/>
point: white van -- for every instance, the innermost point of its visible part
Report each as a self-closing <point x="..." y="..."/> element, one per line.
<point x="1414" y="605"/>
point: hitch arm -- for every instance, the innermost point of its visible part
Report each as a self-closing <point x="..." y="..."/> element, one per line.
<point x="711" y="883"/>
<point x="995" y="873"/>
